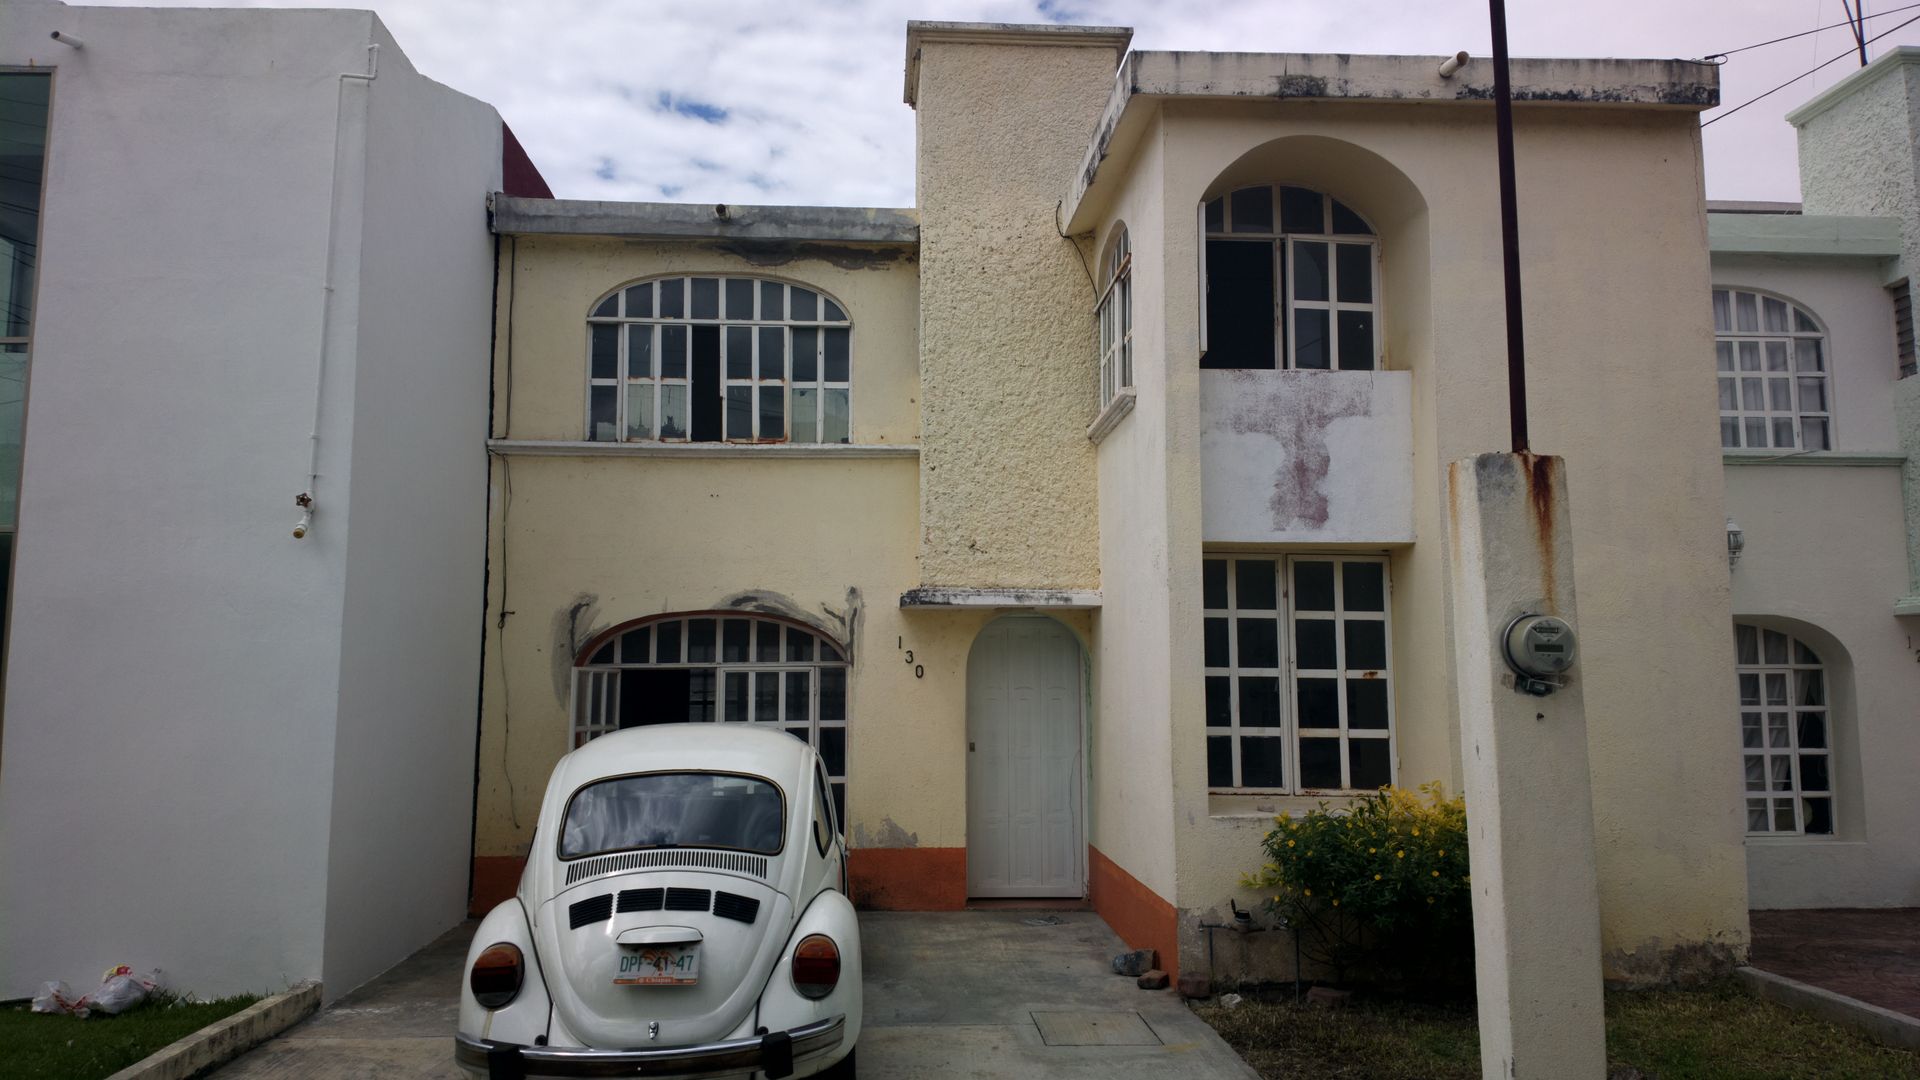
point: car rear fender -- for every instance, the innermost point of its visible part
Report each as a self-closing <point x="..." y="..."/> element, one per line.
<point x="528" y="1015"/>
<point x="782" y="1007"/>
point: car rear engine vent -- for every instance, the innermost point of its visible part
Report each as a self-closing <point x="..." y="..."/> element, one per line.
<point x="729" y="906"/>
<point x="587" y="912"/>
<point x="641" y="899"/>
<point x="688" y="899"/>
<point x="733" y="861"/>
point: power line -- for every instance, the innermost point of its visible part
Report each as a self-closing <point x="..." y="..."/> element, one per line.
<point x="1804" y="74"/>
<point x="1804" y="33"/>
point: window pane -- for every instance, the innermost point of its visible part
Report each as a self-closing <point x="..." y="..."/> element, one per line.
<point x="799" y="697"/>
<point x="1213" y="583"/>
<point x="1776" y="686"/>
<point x="833" y="749"/>
<point x="1259" y="643"/>
<point x="673" y="411"/>
<point x="1319" y="763"/>
<point x="1310" y="344"/>
<point x="673" y="352"/>
<point x="1301" y="211"/>
<point x="602" y="408"/>
<point x="700" y="641"/>
<point x="1774" y="313"/>
<point x="1369" y="764"/>
<point x="835" y="417"/>
<point x="1749" y="689"/>
<point x="1309" y="270"/>
<point x="1812" y="731"/>
<point x="773" y="352"/>
<point x="1819" y="816"/>
<point x="1780" y="772"/>
<point x="639" y="410"/>
<point x="833" y="695"/>
<point x="1729" y="432"/>
<point x="1778" y="735"/>
<point x="1216" y="642"/>
<point x="1315" y="645"/>
<point x="1806" y="355"/>
<point x="1729" y="395"/>
<point x="1723" y="355"/>
<point x="837" y="350"/>
<point x="1259" y="701"/>
<point x="1365" y="586"/>
<point x="1813" y="772"/>
<point x="1753" y="395"/>
<point x="1776" y="649"/>
<point x="1220" y="761"/>
<point x="1813" y="395"/>
<point x="736" y="635"/>
<point x="1216" y="215"/>
<point x="1783" y="432"/>
<point x="1356" y="341"/>
<point x="766" y="696"/>
<point x="639" y="352"/>
<point x="1776" y="355"/>
<point x="1347" y="222"/>
<point x="1815" y="434"/>
<point x="606" y="309"/>
<point x="830" y="311"/>
<point x="1261" y="762"/>
<point x="739" y="298"/>
<point x="773" y="305"/>
<point x="1240" y="298"/>
<point x="1746" y="644"/>
<point x="1722" y="311"/>
<point x="1219" y="701"/>
<point x="1756" y="766"/>
<point x="733" y="698"/>
<point x="1803" y="324"/>
<point x="1756" y="815"/>
<point x="1783" y="815"/>
<point x="1756" y="432"/>
<point x="805" y="304"/>
<point x="1810" y="688"/>
<point x="706" y="298"/>
<point x="1253" y="210"/>
<point x="673" y="298"/>
<point x="1749" y="356"/>
<point x="606" y="351"/>
<point x="1746" y="312"/>
<point x="1319" y="701"/>
<point x="1367" y="704"/>
<point x="1804" y="655"/>
<point x="640" y="301"/>
<point x="1354" y="271"/>
<point x="739" y="344"/>
<point x="1780" y="395"/>
<point x="806" y="355"/>
<point x="1254" y="585"/>
<point x="767" y="642"/>
<point x="1366" y="645"/>
<point x="806" y="405"/>
<point x="739" y="412"/>
<point x="1750" y="730"/>
<point x="636" y="646"/>
<point x="1313" y="586"/>
<point x="667" y="634"/>
<point x="773" y="412"/>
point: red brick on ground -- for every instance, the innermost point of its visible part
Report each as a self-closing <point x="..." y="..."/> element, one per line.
<point x="1872" y="955"/>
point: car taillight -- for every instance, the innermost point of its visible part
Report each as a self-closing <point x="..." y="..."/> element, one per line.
<point x="496" y="975"/>
<point x="816" y="966"/>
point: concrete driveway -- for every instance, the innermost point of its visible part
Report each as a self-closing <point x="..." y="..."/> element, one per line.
<point x="984" y="994"/>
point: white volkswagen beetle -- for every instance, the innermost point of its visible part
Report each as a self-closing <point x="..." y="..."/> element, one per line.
<point x="683" y="912"/>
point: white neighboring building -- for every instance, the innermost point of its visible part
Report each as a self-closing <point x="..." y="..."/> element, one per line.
<point x="242" y="757"/>
<point x="1820" y="416"/>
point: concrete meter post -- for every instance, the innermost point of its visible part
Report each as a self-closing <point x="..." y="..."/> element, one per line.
<point x="1523" y="749"/>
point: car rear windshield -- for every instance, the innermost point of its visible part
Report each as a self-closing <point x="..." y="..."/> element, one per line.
<point x="660" y="810"/>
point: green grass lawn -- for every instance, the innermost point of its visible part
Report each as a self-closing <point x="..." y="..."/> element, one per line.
<point x="1718" y="1033"/>
<point x="35" y="1046"/>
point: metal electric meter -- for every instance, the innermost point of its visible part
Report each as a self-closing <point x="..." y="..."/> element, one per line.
<point x="1539" y="648"/>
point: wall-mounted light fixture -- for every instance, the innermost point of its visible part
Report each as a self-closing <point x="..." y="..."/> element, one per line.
<point x="1736" y="543"/>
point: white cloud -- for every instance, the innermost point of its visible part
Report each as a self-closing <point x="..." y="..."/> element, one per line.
<point x="773" y="101"/>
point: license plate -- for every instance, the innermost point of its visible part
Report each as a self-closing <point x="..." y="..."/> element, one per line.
<point x="659" y="965"/>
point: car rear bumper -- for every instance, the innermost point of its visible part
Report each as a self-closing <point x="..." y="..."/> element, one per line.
<point x="774" y="1054"/>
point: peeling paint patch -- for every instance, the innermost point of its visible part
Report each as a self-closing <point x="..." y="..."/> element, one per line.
<point x="845" y="256"/>
<point x="1299" y="412"/>
<point x="888" y="835"/>
<point x="573" y="626"/>
<point x="842" y="624"/>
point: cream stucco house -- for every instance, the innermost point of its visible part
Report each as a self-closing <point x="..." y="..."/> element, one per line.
<point x="1090" y="513"/>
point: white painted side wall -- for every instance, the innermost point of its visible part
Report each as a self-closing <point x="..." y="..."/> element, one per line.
<point x="1304" y="457"/>
<point x="410" y="631"/>
<point x="168" y="741"/>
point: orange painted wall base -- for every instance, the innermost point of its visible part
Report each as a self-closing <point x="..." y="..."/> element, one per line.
<point x="1138" y="914"/>
<point x="909" y="879"/>
<point x="883" y="879"/>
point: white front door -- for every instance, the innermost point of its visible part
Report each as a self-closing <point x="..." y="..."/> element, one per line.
<point x="1023" y="761"/>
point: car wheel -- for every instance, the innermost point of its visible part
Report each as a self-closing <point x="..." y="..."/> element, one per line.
<point x="841" y="1070"/>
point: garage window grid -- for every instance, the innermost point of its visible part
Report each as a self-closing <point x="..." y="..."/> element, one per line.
<point x="711" y="359"/>
<point x="1298" y="693"/>
<point x="738" y="670"/>
<point x="1785" y="735"/>
<point x="1771" y="356"/>
<point x="1292" y="281"/>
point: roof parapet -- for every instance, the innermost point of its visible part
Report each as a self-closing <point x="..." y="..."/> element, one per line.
<point x="1854" y="83"/>
<point x="1052" y="35"/>
<point x="518" y="216"/>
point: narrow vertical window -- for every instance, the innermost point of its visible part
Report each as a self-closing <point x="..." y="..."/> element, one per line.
<point x="24" y="101"/>
<point x="1114" y="316"/>
<point x="1771" y="356"/>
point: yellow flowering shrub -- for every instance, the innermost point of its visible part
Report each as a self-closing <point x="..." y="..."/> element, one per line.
<point x="1394" y="864"/>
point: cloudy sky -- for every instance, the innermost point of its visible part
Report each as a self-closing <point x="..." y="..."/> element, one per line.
<point x="798" y="101"/>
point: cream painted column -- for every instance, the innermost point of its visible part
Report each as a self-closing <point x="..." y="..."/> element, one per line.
<point x="1536" y="908"/>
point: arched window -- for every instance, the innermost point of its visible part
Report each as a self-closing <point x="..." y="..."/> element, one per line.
<point x="1293" y="281"/>
<point x="1773" y="374"/>
<point x="1114" y="312"/>
<point x="717" y="667"/>
<point x="718" y="359"/>
<point x="1785" y="737"/>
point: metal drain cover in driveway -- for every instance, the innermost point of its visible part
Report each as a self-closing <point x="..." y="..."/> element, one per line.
<point x="1121" y="1028"/>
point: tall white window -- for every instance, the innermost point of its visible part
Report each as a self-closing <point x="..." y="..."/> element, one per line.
<point x="1773" y="374"/>
<point x="1293" y="281"/>
<point x="1115" y="316"/>
<point x="718" y="668"/>
<point x="1785" y="736"/>
<point x="1298" y="676"/>
<point x="719" y="359"/>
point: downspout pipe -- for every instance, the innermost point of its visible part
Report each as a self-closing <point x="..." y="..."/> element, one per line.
<point x="305" y="500"/>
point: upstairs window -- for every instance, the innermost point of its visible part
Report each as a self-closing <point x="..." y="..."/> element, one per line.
<point x="1114" y="313"/>
<point x="719" y="359"/>
<point x="1293" y="281"/>
<point x="1773" y="374"/>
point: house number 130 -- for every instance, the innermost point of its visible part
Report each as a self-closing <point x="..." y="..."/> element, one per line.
<point x="919" y="670"/>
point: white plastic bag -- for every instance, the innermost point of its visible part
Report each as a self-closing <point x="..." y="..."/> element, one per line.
<point x="121" y="990"/>
<point x="58" y="997"/>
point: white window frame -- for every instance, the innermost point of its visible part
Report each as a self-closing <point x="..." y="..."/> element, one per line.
<point x="1768" y="371"/>
<point x="1113" y="313"/>
<point x="1770" y="750"/>
<point x="595" y="705"/>
<point x="828" y="403"/>
<point x="1286" y="613"/>
<point x="1285" y="306"/>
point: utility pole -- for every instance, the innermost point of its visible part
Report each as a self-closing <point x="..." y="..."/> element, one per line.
<point x="1509" y="231"/>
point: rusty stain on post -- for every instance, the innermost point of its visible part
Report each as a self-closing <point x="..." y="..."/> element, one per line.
<point x="1540" y="492"/>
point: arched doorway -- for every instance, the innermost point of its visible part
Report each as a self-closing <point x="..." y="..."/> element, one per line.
<point x="1025" y="835"/>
